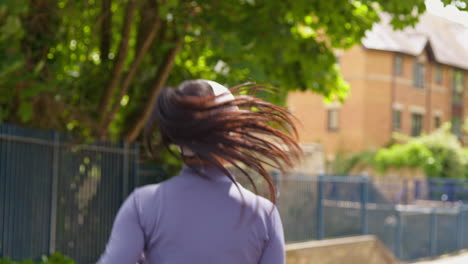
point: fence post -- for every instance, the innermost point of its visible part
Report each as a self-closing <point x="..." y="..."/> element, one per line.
<point x="433" y="233"/>
<point x="450" y="189"/>
<point x="364" y="200"/>
<point x="136" y="157"/>
<point x="460" y="231"/>
<point x="417" y="189"/>
<point x="125" y="171"/>
<point x="54" y="194"/>
<point x="320" y="217"/>
<point x="398" y="235"/>
<point x="275" y="175"/>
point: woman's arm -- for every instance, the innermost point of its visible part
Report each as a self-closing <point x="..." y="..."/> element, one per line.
<point x="126" y="242"/>
<point x="274" y="253"/>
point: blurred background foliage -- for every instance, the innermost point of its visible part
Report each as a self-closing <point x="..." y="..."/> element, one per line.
<point x="438" y="154"/>
<point x="94" y="67"/>
<point x="56" y="258"/>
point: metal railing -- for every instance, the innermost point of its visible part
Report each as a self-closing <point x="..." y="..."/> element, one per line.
<point x="59" y="196"/>
<point x="319" y="207"/>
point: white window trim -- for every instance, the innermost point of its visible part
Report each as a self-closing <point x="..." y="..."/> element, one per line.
<point x="333" y="105"/>
<point x="417" y="109"/>
<point x="438" y="113"/>
<point x="398" y="106"/>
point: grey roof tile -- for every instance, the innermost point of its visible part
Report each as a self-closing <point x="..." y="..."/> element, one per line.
<point x="449" y="40"/>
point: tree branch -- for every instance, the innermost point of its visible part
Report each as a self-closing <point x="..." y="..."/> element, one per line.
<point x="149" y="11"/>
<point x="130" y="76"/>
<point x="160" y="80"/>
<point x="106" y="33"/>
<point x="119" y="63"/>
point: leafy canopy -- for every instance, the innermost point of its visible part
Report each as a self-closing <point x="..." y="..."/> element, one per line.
<point x="94" y="67"/>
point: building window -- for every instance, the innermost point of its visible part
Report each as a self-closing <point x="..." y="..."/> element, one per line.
<point x="416" y="124"/>
<point x="398" y="64"/>
<point x="396" y="120"/>
<point x="438" y="74"/>
<point x="457" y="87"/>
<point x="418" y="75"/>
<point x="457" y="126"/>
<point x="333" y="120"/>
<point x="437" y="121"/>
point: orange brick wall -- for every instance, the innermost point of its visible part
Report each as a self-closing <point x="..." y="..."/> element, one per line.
<point x="312" y="111"/>
<point x="377" y="98"/>
<point x="366" y="116"/>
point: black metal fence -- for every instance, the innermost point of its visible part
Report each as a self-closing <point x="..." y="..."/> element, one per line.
<point x="56" y="195"/>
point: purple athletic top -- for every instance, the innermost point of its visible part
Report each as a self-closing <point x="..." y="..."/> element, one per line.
<point x="197" y="220"/>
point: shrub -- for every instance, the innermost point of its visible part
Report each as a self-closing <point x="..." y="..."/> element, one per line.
<point x="56" y="258"/>
<point x="413" y="154"/>
<point x="343" y="164"/>
<point x="439" y="154"/>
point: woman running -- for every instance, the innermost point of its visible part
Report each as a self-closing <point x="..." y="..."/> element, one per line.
<point x="204" y="215"/>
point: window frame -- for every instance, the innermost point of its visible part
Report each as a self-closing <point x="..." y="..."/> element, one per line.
<point x="396" y="126"/>
<point x="437" y="121"/>
<point x="417" y="121"/>
<point x="457" y="92"/>
<point x="418" y="74"/>
<point x="398" y="65"/>
<point x="438" y="74"/>
<point x="330" y="125"/>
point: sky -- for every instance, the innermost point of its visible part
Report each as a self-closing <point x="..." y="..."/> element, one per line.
<point x="450" y="12"/>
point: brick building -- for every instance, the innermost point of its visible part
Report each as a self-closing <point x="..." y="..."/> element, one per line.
<point x="408" y="81"/>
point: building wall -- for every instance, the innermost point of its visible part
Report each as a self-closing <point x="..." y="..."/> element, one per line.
<point x="312" y="111"/>
<point x="377" y="99"/>
<point x="465" y="107"/>
<point x="366" y="117"/>
<point x="432" y="100"/>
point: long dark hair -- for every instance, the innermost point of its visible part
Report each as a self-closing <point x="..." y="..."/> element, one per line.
<point x="245" y="130"/>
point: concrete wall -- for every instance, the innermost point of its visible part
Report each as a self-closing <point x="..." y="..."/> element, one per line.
<point x="350" y="250"/>
<point x="313" y="161"/>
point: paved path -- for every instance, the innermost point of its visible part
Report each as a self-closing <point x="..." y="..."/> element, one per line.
<point x="460" y="259"/>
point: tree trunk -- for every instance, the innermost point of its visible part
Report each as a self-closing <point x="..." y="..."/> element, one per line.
<point x="149" y="11"/>
<point x="119" y="63"/>
<point x="106" y="33"/>
<point x="160" y="80"/>
<point x="141" y="52"/>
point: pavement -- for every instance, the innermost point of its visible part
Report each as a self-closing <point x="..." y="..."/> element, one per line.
<point x="458" y="259"/>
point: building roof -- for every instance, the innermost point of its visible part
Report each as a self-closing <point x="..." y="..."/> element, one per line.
<point x="448" y="40"/>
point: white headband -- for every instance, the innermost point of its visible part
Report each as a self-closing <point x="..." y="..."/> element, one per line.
<point x="219" y="89"/>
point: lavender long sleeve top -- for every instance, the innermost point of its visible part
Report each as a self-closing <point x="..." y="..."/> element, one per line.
<point x="191" y="219"/>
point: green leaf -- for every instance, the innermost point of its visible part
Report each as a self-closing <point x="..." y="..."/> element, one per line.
<point x="25" y="111"/>
<point x="33" y="90"/>
<point x="12" y="26"/>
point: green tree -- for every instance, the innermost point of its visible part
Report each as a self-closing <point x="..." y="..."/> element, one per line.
<point x="95" y="67"/>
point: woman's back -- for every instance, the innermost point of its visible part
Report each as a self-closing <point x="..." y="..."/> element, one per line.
<point x="192" y="219"/>
<point x="203" y="216"/>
